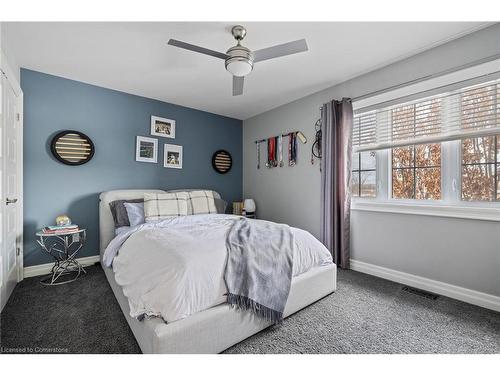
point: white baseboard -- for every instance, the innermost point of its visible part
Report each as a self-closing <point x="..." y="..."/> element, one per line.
<point x="44" y="269"/>
<point x="474" y="297"/>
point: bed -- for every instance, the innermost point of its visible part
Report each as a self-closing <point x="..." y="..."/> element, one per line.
<point x="217" y="328"/>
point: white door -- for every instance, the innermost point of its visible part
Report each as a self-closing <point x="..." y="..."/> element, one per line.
<point x="10" y="164"/>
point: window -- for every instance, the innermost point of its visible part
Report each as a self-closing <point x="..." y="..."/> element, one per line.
<point x="364" y="129"/>
<point x="441" y="148"/>
<point x="416" y="172"/>
<point x="364" y="174"/>
<point x="481" y="169"/>
<point x="364" y="164"/>
<point x="480" y="155"/>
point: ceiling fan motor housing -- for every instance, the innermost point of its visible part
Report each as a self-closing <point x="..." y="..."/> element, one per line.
<point x="239" y="32"/>
<point x="240" y="61"/>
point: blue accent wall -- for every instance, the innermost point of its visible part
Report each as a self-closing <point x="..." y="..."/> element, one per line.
<point x="112" y="119"/>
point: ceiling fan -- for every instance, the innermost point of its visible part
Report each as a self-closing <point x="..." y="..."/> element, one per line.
<point x="239" y="59"/>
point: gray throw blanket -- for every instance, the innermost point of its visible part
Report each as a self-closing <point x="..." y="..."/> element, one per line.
<point x="258" y="274"/>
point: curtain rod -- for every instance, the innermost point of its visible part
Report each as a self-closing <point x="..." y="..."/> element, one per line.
<point x="427" y="77"/>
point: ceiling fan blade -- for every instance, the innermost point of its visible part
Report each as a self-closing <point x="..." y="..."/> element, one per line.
<point x="280" y="50"/>
<point x="192" y="47"/>
<point x="238" y="85"/>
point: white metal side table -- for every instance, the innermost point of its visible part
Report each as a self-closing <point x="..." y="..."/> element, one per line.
<point x="63" y="247"/>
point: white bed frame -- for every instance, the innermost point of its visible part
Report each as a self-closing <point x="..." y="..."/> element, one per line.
<point x="212" y="330"/>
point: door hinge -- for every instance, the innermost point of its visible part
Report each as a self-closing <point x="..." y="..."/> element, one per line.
<point x="18" y="251"/>
<point x="18" y="116"/>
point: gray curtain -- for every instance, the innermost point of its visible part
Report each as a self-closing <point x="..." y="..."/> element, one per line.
<point x="336" y="149"/>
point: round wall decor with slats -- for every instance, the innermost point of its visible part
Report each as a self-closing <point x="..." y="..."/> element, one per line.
<point x="72" y="147"/>
<point x="222" y="161"/>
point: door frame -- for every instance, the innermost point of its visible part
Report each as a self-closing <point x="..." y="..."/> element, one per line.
<point x="20" y="168"/>
<point x="6" y="71"/>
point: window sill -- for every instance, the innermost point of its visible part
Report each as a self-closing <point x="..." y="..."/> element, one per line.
<point x="441" y="210"/>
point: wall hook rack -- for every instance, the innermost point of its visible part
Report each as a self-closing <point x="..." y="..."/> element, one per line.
<point x="275" y="149"/>
<point x="299" y="134"/>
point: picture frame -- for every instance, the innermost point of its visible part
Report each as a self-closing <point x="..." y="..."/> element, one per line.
<point x="146" y="149"/>
<point x="172" y="156"/>
<point x="162" y="127"/>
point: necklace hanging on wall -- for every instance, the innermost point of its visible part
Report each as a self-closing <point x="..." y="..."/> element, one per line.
<point x="316" y="147"/>
<point x="268" y="147"/>
<point x="271" y="152"/>
<point x="292" y="149"/>
<point x="258" y="154"/>
<point x="280" y="150"/>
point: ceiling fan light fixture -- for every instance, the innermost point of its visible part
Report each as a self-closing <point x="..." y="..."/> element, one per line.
<point x="239" y="68"/>
<point x="240" y="61"/>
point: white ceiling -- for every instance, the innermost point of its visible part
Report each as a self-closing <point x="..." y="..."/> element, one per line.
<point x="135" y="57"/>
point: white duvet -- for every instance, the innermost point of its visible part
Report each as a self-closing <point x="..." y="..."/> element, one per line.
<point x="175" y="268"/>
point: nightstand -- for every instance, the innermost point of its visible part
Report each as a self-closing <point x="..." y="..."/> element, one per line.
<point x="63" y="247"/>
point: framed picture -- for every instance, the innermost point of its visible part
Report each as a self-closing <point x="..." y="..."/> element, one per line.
<point x="146" y="149"/>
<point x="162" y="127"/>
<point x="172" y="157"/>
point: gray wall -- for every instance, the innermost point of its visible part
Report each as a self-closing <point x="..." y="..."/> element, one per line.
<point x="457" y="251"/>
<point x="112" y="120"/>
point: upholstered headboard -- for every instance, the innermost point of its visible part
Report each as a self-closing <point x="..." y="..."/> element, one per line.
<point x="106" y="224"/>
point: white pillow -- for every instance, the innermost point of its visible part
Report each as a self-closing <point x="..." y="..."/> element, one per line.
<point x="158" y="206"/>
<point x="135" y="213"/>
<point x="202" y="202"/>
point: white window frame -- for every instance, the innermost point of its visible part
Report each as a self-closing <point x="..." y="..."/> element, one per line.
<point x="353" y="170"/>
<point x="450" y="204"/>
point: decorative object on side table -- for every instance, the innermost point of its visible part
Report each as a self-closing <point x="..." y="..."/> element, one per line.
<point x="237" y="208"/>
<point x="249" y="208"/>
<point x="245" y="208"/>
<point x="62" y="242"/>
<point x="63" y="220"/>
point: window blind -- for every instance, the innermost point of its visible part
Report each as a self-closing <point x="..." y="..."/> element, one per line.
<point x="469" y="112"/>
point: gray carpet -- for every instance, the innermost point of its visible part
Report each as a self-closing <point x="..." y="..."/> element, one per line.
<point x="80" y="317"/>
<point x="365" y="315"/>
